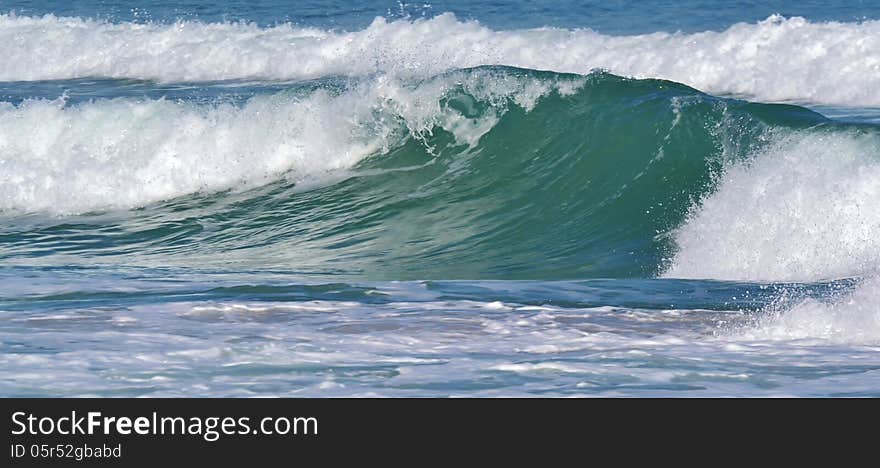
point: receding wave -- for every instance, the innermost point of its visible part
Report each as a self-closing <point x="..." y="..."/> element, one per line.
<point x="775" y="59"/>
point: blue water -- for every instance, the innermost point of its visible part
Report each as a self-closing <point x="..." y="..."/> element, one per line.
<point x="330" y="198"/>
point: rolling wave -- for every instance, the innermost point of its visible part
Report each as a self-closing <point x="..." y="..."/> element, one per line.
<point x="776" y="59"/>
<point x="487" y="173"/>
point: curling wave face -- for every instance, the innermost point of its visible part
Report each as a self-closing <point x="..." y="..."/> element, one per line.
<point x="840" y="63"/>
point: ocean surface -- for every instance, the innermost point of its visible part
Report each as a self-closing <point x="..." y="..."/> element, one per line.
<point x="508" y="198"/>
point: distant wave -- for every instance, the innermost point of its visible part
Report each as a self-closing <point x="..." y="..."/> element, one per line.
<point x="774" y="60"/>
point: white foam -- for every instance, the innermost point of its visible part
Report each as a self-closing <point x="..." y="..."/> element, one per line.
<point x="802" y="209"/>
<point x="124" y="153"/>
<point x="427" y="347"/>
<point x="851" y="319"/>
<point x="775" y="59"/>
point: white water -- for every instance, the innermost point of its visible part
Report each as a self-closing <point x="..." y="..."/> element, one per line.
<point x="853" y="318"/>
<point x="441" y="348"/>
<point x="803" y="209"/>
<point x="775" y="59"/>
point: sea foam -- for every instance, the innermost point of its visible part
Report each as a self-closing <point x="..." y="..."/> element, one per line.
<point x="852" y="318"/>
<point x="776" y="59"/>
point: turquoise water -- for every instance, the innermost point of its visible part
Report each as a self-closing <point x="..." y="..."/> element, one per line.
<point x="510" y="199"/>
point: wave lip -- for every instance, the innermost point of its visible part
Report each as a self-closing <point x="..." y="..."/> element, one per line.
<point x="773" y="60"/>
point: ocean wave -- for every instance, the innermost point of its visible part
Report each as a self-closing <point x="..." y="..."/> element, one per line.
<point x="777" y="59"/>
<point x="481" y="173"/>
<point x="491" y="172"/>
